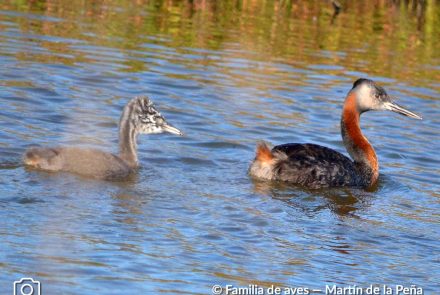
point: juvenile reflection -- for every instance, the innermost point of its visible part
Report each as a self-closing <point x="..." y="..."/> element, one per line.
<point x="127" y="204"/>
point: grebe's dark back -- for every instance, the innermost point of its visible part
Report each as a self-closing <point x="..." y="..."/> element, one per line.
<point x="315" y="166"/>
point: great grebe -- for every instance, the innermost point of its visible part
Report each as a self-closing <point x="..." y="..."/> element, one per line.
<point x="315" y="166"/>
<point x="139" y="116"/>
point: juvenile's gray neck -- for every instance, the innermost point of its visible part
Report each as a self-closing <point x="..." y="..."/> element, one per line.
<point x="127" y="138"/>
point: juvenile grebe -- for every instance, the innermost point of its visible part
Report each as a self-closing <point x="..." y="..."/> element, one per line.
<point x="138" y="117"/>
<point x="315" y="166"/>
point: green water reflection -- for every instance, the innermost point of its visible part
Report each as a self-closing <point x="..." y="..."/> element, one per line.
<point x="396" y="39"/>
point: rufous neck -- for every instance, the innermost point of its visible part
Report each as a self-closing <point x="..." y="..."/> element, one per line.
<point x="355" y="142"/>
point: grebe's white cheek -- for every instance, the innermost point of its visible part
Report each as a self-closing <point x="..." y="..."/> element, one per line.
<point x="365" y="98"/>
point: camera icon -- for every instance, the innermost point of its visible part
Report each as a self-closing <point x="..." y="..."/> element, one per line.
<point x="27" y="286"/>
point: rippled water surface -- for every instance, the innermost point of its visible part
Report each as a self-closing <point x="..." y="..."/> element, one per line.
<point x="227" y="73"/>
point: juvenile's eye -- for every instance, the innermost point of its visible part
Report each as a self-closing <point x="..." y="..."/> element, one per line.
<point x="159" y="121"/>
<point x="377" y="96"/>
<point x="144" y="118"/>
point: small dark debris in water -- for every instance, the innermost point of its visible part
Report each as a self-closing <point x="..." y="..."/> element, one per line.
<point x="10" y="165"/>
<point x="28" y="200"/>
<point x="31" y="182"/>
<point x="197" y="161"/>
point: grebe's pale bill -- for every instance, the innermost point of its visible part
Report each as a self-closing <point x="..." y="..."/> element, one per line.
<point x="392" y="106"/>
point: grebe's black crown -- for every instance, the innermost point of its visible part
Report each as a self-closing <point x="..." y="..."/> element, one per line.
<point x="361" y="81"/>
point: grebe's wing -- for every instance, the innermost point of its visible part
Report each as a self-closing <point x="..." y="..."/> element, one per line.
<point x="311" y="151"/>
<point x="315" y="166"/>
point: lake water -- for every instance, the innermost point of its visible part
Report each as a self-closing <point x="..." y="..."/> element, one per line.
<point x="228" y="74"/>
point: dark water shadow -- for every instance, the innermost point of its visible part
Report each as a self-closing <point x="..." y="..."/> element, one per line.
<point x="343" y="202"/>
<point x="12" y="164"/>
